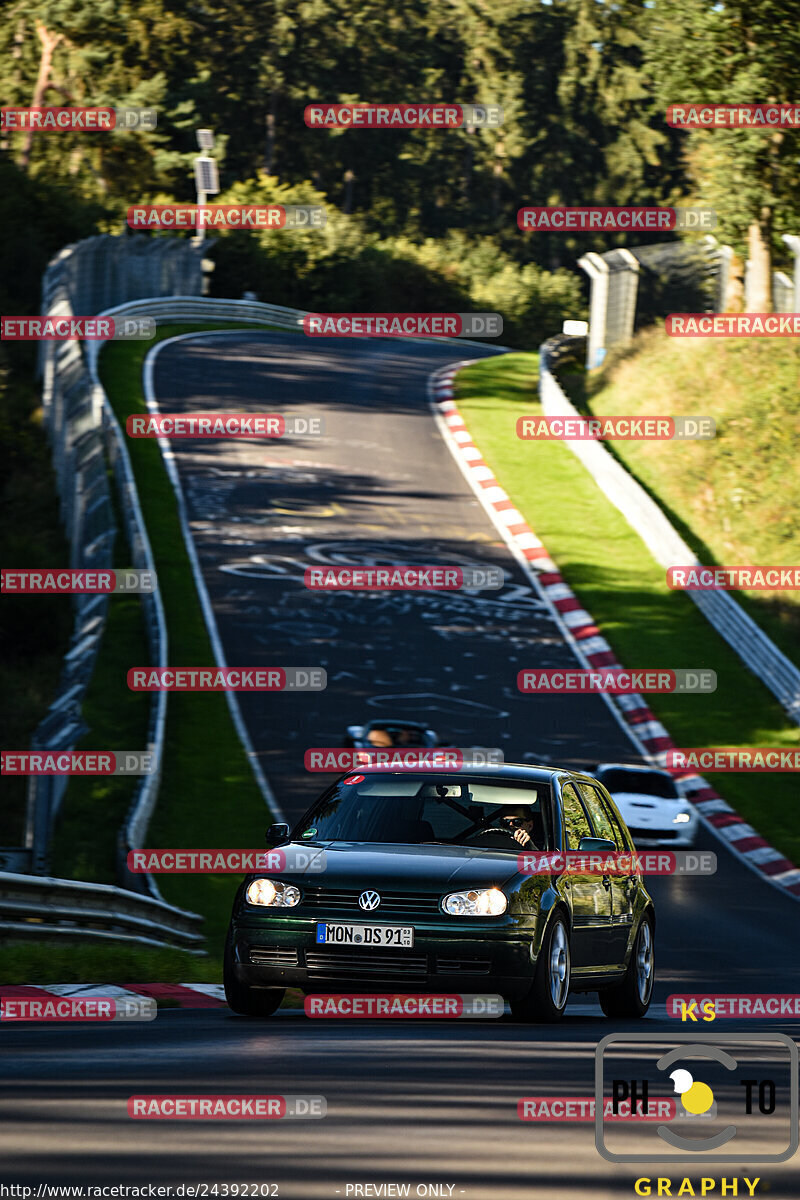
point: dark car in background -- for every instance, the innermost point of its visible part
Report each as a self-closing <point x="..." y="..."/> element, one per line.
<point x="387" y="733"/>
<point x="422" y="891"/>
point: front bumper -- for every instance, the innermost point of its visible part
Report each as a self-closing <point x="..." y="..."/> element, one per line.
<point x="665" y="839"/>
<point x="670" y="837"/>
<point x="445" y="958"/>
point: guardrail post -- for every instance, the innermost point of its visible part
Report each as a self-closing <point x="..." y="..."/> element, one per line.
<point x="597" y="270"/>
<point x="782" y="292"/>
<point x="794" y="245"/>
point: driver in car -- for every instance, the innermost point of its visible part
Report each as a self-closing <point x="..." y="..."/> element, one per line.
<point x="519" y="822"/>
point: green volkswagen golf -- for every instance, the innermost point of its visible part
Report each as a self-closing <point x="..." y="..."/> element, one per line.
<point x="398" y="881"/>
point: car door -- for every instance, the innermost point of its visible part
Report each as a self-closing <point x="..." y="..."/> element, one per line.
<point x="591" y="894"/>
<point x="621" y="887"/>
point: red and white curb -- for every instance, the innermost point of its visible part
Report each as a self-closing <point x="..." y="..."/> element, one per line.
<point x="180" y="995"/>
<point x="648" y="735"/>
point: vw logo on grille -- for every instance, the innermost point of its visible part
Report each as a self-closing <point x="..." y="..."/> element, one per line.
<point x="369" y="901"/>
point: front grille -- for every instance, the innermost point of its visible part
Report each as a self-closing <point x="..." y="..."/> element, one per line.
<point x="463" y="966"/>
<point x="278" y="956"/>
<point x="361" y="964"/>
<point x="660" y="834"/>
<point x="335" y="899"/>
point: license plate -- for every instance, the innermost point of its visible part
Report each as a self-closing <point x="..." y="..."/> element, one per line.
<point x="399" y="937"/>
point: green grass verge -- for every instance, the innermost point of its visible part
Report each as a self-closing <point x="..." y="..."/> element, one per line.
<point x="624" y="589"/>
<point x="52" y="962"/>
<point x="82" y="962"/>
<point x="734" y="498"/>
<point x="208" y="795"/>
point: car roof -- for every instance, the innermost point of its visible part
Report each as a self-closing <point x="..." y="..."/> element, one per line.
<point x="611" y="766"/>
<point x="524" y="772"/>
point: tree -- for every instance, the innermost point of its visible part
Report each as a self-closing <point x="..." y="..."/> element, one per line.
<point x="735" y="53"/>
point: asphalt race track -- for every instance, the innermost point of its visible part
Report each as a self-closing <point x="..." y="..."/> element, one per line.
<point x="379" y="482"/>
<point x="418" y="1102"/>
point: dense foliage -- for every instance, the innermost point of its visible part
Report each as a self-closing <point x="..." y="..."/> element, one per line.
<point x="584" y="86"/>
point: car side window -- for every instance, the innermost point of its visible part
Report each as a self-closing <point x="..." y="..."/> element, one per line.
<point x="600" y="819"/>
<point x="576" y="825"/>
<point x="623" y="837"/>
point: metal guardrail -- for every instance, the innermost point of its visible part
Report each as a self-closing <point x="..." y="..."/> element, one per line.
<point x="86" y="440"/>
<point x="739" y="630"/>
<point x="36" y="906"/>
<point x="204" y="308"/>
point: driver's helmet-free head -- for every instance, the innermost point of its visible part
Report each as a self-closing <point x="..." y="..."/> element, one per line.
<point x="379" y="737"/>
<point x="515" y="813"/>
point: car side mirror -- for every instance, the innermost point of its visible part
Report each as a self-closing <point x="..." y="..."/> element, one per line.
<point x="593" y="845"/>
<point x="277" y="833"/>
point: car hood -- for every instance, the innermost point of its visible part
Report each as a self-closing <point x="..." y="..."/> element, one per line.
<point x="638" y="804"/>
<point x="373" y="864"/>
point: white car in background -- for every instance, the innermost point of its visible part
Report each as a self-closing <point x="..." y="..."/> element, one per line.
<point x="650" y="804"/>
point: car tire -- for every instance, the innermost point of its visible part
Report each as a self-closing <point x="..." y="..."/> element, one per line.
<point x="632" y="997"/>
<point x="244" y="1000"/>
<point x="547" y="998"/>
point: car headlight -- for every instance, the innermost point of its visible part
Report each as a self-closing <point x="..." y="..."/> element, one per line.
<point x="271" y="893"/>
<point x="682" y="818"/>
<point x="490" y="902"/>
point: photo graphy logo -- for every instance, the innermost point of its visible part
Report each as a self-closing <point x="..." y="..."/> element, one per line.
<point x="736" y="1096"/>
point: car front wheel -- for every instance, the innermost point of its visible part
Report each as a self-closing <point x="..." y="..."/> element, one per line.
<point x="547" y="998"/>
<point x="632" y="997"/>
<point x="244" y="1000"/>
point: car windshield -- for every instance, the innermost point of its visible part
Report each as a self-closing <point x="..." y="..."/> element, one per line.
<point x="395" y="735"/>
<point x="650" y="783"/>
<point x="412" y="810"/>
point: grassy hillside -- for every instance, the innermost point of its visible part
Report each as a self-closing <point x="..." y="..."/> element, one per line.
<point x="624" y="589"/>
<point x="735" y="499"/>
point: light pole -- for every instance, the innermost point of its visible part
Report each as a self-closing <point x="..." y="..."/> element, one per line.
<point x="206" y="176"/>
